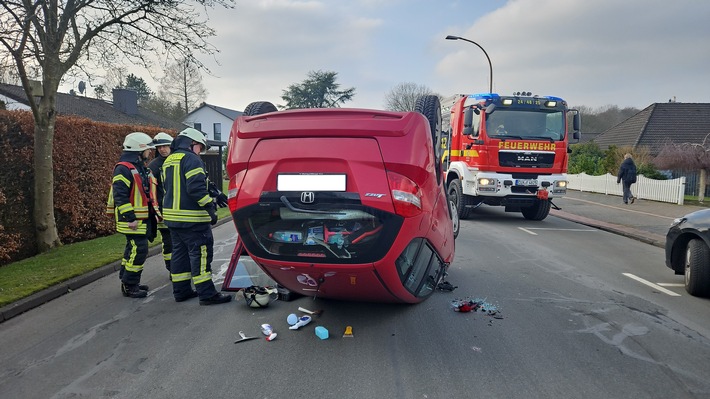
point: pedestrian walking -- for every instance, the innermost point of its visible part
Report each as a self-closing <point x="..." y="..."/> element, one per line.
<point x="627" y="176"/>
<point x="162" y="142"/>
<point x="189" y="212"/>
<point x="133" y="199"/>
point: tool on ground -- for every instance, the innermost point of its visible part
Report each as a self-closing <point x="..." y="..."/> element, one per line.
<point x="244" y="337"/>
<point x="311" y="312"/>
<point x="348" y="332"/>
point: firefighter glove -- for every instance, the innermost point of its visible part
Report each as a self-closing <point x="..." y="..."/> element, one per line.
<point x="211" y="209"/>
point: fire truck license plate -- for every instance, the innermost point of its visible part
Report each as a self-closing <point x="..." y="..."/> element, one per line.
<point x="526" y="182"/>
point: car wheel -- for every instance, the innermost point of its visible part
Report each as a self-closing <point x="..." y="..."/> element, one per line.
<point x="539" y="211"/>
<point x="458" y="198"/>
<point x="258" y="108"/>
<point x="697" y="268"/>
<point x="430" y="107"/>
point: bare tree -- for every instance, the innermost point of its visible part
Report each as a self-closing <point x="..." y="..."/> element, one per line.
<point x="183" y="83"/>
<point x="58" y="36"/>
<point x="404" y="96"/>
<point x="689" y="156"/>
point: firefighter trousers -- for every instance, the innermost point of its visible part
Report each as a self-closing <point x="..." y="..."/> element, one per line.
<point x="167" y="246"/>
<point x="192" y="261"/>
<point x="134" y="256"/>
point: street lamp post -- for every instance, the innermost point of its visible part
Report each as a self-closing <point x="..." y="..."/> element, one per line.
<point x="490" y="65"/>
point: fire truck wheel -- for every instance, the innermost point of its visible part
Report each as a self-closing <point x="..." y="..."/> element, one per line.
<point x="539" y="211"/>
<point x="258" y="108"/>
<point x="457" y="196"/>
<point x="697" y="269"/>
<point x="454" y="217"/>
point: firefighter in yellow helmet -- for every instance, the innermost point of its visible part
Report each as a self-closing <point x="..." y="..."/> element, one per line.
<point x="188" y="211"/>
<point x="132" y="199"/>
<point x="162" y="142"/>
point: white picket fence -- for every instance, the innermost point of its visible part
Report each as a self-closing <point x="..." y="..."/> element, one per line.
<point x="672" y="191"/>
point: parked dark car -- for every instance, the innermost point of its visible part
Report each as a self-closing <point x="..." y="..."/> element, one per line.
<point x="688" y="251"/>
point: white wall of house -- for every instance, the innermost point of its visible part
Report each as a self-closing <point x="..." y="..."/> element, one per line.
<point x="208" y="120"/>
<point x="11" y="104"/>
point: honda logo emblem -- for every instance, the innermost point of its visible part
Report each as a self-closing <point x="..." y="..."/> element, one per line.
<point x="307" y="197"/>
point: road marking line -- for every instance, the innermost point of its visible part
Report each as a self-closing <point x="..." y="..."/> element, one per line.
<point x="551" y="229"/>
<point x="671" y="285"/>
<point x="527" y="231"/>
<point x="650" y="284"/>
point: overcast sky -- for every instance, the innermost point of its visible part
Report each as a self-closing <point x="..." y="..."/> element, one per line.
<point x="594" y="53"/>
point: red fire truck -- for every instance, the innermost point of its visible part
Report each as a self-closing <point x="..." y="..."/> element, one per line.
<point x="509" y="151"/>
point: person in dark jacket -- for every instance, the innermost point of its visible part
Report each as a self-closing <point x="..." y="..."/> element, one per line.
<point x="189" y="212"/>
<point x="627" y="176"/>
<point x="162" y="143"/>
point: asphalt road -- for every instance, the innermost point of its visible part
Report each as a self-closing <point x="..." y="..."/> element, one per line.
<point x="575" y="319"/>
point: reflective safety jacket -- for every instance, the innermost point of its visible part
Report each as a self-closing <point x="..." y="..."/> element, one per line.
<point x="133" y="191"/>
<point x="155" y="167"/>
<point x="185" y="183"/>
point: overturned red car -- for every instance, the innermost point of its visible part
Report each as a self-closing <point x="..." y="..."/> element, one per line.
<point x="342" y="203"/>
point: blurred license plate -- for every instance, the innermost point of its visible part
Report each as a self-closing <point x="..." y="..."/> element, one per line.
<point x="308" y="182"/>
<point x="526" y="182"/>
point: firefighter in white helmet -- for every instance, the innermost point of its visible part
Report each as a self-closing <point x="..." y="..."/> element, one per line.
<point x="162" y="142"/>
<point x="133" y="199"/>
<point x="188" y="211"/>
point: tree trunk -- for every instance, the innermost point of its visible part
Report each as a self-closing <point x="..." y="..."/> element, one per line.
<point x="703" y="184"/>
<point x="46" y="232"/>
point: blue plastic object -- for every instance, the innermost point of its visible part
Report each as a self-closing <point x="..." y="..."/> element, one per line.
<point x="321" y="332"/>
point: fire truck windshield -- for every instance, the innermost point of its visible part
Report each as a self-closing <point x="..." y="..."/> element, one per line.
<point x="537" y="124"/>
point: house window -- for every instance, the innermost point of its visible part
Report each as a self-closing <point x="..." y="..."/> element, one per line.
<point x="197" y="125"/>
<point x="217" y="129"/>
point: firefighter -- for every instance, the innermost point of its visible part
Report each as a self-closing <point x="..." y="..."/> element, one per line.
<point x="162" y="142"/>
<point x="131" y="199"/>
<point x="189" y="211"/>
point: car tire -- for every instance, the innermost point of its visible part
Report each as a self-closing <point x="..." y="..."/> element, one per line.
<point x="456" y="195"/>
<point x="538" y="211"/>
<point x="697" y="268"/>
<point x="259" y="107"/>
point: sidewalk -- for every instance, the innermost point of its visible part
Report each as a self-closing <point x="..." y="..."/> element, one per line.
<point x="644" y="220"/>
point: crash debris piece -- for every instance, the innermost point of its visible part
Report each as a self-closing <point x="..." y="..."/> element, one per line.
<point x="476" y="305"/>
<point x="243" y="337"/>
<point x="310" y="312"/>
<point x="321" y="332"/>
<point x="302" y="321"/>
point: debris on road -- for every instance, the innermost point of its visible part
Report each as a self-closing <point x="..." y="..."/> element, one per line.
<point x="476" y="305"/>
<point x="243" y="337"/>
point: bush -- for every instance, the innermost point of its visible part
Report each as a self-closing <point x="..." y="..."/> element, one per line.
<point x="85" y="153"/>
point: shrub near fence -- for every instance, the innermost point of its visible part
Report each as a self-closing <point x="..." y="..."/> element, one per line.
<point x="672" y="191"/>
<point x="85" y="153"/>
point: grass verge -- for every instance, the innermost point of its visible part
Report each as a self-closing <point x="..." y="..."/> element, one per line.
<point x="28" y="276"/>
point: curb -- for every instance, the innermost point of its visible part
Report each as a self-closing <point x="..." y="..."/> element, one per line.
<point x="9" y="311"/>
<point x="639" y="235"/>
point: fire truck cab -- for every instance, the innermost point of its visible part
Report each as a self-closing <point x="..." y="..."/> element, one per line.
<point x="509" y="151"/>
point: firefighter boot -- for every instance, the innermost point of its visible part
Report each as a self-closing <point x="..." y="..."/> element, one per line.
<point x="215" y="299"/>
<point x="141" y="287"/>
<point x="133" y="291"/>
